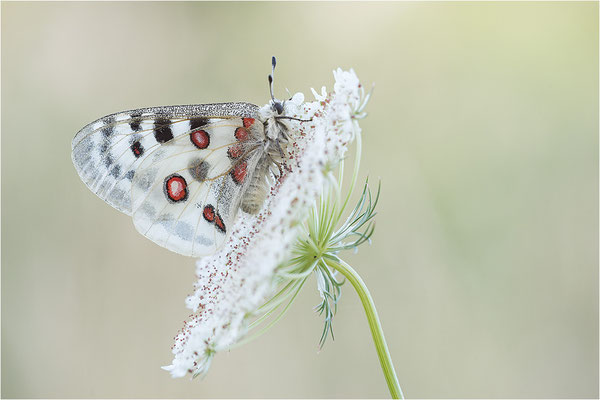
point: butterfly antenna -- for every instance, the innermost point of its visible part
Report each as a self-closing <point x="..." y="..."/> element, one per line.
<point x="278" y="106"/>
<point x="273" y="63"/>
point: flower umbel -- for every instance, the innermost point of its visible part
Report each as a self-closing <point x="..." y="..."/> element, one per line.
<point x="251" y="282"/>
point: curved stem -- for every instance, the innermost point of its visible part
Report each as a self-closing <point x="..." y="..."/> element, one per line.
<point x="365" y="297"/>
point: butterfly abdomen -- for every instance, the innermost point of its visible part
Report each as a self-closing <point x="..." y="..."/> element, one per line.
<point x="258" y="187"/>
<point x="268" y="166"/>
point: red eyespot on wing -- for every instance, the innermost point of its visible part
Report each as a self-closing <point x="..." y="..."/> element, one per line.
<point x="137" y="149"/>
<point x="209" y="213"/>
<point x="175" y="188"/>
<point x="219" y="223"/>
<point x="211" y="216"/>
<point x="235" y="151"/>
<point x="239" y="172"/>
<point x="248" y="122"/>
<point x="200" y="138"/>
<point x="241" y="134"/>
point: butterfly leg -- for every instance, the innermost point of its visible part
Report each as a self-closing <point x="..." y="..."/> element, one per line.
<point x="277" y="163"/>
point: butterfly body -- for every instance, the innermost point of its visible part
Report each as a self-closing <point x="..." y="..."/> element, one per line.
<point x="183" y="172"/>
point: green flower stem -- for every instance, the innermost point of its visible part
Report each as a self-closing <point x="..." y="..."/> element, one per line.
<point x="365" y="297"/>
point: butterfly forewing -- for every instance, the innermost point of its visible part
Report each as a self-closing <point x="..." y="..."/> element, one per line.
<point x="180" y="171"/>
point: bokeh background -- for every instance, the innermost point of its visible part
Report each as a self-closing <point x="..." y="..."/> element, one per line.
<point x="483" y="129"/>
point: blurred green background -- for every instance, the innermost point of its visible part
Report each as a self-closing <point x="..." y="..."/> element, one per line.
<point x="483" y="128"/>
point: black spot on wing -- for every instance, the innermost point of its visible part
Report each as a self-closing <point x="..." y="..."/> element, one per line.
<point x="129" y="175"/>
<point x="109" y="129"/>
<point x="137" y="149"/>
<point x="108" y="160"/>
<point x="198" y="122"/>
<point x="162" y="130"/>
<point x="116" y="171"/>
<point x="104" y="147"/>
<point x="105" y="154"/>
<point x="135" y="123"/>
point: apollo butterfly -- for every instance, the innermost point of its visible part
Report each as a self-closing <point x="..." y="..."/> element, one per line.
<point x="183" y="172"/>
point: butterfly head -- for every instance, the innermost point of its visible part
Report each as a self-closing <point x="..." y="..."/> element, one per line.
<point x="274" y="119"/>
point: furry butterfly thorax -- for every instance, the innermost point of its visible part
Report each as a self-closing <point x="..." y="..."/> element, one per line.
<point x="184" y="172"/>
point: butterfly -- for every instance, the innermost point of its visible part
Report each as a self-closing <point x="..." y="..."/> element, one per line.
<point x="184" y="172"/>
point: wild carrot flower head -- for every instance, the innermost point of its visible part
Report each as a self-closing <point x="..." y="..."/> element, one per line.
<point x="268" y="256"/>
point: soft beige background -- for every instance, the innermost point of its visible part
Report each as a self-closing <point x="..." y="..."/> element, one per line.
<point x="482" y="127"/>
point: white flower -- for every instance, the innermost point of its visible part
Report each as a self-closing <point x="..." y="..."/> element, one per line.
<point x="322" y="96"/>
<point x="236" y="281"/>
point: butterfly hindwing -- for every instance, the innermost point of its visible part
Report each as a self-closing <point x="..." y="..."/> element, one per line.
<point x="185" y="197"/>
